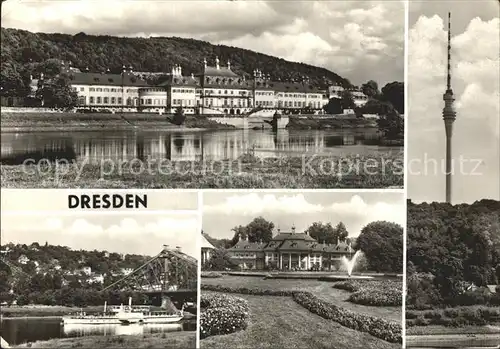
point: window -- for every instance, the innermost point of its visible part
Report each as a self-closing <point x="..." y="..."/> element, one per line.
<point x="99" y="89"/>
<point x="98" y="100"/>
<point x="92" y="89"/>
<point x="149" y="101"/>
<point x="106" y="100"/>
<point x="106" y="90"/>
<point x="113" y="100"/>
<point x="82" y="89"/>
<point x="91" y="100"/>
<point x="119" y="100"/>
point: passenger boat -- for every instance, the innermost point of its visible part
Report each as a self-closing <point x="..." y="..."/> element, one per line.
<point x="125" y="315"/>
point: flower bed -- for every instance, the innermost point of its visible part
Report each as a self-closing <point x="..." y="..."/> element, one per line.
<point x="222" y="314"/>
<point x="373" y="293"/>
<point x="210" y="274"/>
<point x="377" y="327"/>
<point x="249" y="291"/>
<point x="380" y="328"/>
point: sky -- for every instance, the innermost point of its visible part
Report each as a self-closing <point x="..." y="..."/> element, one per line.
<point x="140" y="233"/>
<point x="475" y="83"/>
<point x="359" y="40"/>
<point x="224" y="210"/>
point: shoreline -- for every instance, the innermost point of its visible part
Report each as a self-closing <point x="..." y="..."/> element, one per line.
<point x="124" y="128"/>
<point x="171" y="340"/>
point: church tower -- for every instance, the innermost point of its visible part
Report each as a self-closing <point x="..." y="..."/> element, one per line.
<point x="449" y="117"/>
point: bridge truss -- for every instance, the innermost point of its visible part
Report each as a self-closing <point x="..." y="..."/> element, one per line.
<point x="169" y="271"/>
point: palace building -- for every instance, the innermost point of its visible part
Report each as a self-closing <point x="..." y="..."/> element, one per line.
<point x="214" y="90"/>
<point x="290" y="251"/>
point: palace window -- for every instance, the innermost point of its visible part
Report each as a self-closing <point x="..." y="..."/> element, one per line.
<point x="82" y="89"/>
<point x="119" y="100"/>
<point x="106" y="100"/>
<point x="106" y="90"/>
<point x="91" y="100"/>
<point x="92" y="89"/>
<point x="113" y="100"/>
<point x="149" y="101"/>
<point x="98" y="100"/>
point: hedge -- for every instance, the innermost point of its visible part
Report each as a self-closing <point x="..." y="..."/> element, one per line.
<point x="454" y="317"/>
<point x="373" y="293"/>
<point x="222" y="314"/>
<point x="380" y="328"/>
<point x="211" y="274"/>
<point x="377" y="327"/>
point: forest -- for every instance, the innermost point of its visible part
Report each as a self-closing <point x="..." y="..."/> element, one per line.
<point x="23" y="53"/>
<point x="451" y="248"/>
<point x="53" y="275"/>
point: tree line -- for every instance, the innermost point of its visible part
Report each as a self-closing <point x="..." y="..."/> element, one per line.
<point x="24" y="53"/>
<point x="451" y="248"/>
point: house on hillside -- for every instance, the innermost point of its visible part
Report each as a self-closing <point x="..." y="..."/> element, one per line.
<point x="86" y="270"/>
<point x="23" y="259"/>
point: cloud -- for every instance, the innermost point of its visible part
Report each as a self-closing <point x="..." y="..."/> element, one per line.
<point x="138" y="235"/>
<point x="360" y="40"/>
<point x="287" y="210"/>
<point x="475" y="82"/>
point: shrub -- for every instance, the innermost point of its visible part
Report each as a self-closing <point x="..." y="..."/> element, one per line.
<point x="249" y="291"/>
<point x="389" y="331"/>
<point x="373" y="292"/>
<point x="210" y="274"/>
<point x="222" y="314"/>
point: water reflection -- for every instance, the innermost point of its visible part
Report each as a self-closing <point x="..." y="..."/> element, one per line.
<point x="107" y="330"/>
<point x="188" y="146"/>
<point x="22" y="330"/>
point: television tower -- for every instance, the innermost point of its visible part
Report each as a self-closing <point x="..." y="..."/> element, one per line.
<point x="449" y="117"/>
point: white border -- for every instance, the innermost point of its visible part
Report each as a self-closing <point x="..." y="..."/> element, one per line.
<point x="198" y="300"/>
<point x="405" y="188"/>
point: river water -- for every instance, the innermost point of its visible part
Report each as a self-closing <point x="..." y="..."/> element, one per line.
<point x="93" y="147"/>
<point x="22" y="330"/>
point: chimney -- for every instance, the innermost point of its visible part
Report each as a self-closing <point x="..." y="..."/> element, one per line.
<point x="293" y="229"/>
<point x="178" y="248"/>
<point x="165" y="247"/>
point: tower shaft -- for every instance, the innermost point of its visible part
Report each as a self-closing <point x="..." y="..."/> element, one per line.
<point x="449" y="117"/>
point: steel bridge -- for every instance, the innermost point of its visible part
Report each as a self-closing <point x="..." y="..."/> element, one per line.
<point x="171" y="273"/>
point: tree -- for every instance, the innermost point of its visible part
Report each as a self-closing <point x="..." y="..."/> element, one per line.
<point x="179" y="118"/>
<point x="57" y="93"/>
<point x="334" y="106"/>
<point x="260" y="230"/>
<point x="370" y="89"/>
<point x="341" y="232"/>
<point x="394" y="93"/>
<point x="324" y="233"/>
<point x="382" y="244"/>
<point x="347" y="100"/>
<point x="220" y="260"/>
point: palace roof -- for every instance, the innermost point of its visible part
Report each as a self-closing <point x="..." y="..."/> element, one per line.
<point x="205" y="243"/>
<point x="221" y="71"/>
<point x="126" y="79"/>
<point x="244" y="245"/>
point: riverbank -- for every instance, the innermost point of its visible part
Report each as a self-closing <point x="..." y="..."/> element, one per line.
<point x="73" y="122"/>
<point x="43" y="310"/>
<point x="384" y="170"/>
<point x="330" y="122"/>
<point x="171" y="340"/>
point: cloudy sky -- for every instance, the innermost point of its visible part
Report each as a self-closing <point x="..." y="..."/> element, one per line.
<point x="475" y="83"/>
<point x="360" y="40"/>
<point x="223" y="211"/>
<point x="117" y="232"/>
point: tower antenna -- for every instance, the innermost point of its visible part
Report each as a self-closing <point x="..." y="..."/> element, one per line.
<point x="449" y="116"/>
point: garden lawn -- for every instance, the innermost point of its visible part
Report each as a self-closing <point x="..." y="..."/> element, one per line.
<point x="279" y="322"/>
<point x="320" y="289"/>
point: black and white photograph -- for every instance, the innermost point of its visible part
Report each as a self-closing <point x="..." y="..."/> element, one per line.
<point x="87" y="280"/>
<point x="202" y="94"/>
<point x="453" y="222"/>
<point x="302" y="270"/>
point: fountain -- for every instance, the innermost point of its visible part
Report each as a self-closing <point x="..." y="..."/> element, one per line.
<point x="349" y="264"/>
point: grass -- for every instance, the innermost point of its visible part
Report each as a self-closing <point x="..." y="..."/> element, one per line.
<point x="457" y="340"/>
<point x="43" y="310"/>
<point x="41" y="121"/>
<point x="174" y="340"/>
<point x="320" y="289"/>
<point x="439" y="330"/>
<point x="279" y="322"/>
<point x="379" y="171"/>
